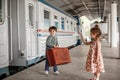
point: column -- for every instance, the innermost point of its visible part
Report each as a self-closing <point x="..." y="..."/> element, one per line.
<point x="109" y="33"/>
<point x="114" y="24"/>
<point x="119" y="26"/>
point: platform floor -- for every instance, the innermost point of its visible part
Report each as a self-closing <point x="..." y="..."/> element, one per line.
<point x="76" y="69"/>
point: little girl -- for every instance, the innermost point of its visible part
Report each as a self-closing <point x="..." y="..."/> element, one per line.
<point x="94" y="63"/>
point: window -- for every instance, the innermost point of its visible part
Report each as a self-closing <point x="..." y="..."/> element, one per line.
<point x="62" y="24"/>
<point x="71" y="26"/>
<point x="74" y="29"/>
<point x="56" y="22"/>
<point x="2" y="11"/>
<point x="31" y="14"/>
<point x="46" y="19"/>
<point x="55" y="17"/>
<point x="68" y="28"/>
<point x="67" y="21"/>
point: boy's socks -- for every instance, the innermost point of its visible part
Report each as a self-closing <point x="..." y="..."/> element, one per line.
<point x="56" y="72"/>
<point x="46" y="72"/>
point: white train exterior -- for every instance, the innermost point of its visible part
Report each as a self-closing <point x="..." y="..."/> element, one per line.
<point x="4" y="54"/>
<point x="24" y="28"/>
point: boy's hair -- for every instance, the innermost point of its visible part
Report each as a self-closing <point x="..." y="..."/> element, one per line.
<point x="53" y="28"/>
<point x="96" y="30"/>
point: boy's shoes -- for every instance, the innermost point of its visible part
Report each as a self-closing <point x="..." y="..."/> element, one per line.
<point x="56" y="73"/>
<point x="46" y="72"/>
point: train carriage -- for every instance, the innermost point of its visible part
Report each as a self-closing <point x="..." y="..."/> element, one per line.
<point x="52" y="17"/>
<point x="4" y="60"/>
<point x="24" y="28"/>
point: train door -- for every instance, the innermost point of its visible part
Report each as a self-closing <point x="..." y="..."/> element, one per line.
<point x="9" y="30"/>
<point x="13" y="29"/>
<point x="3" y="34"/>
<point x="32" y="34"/>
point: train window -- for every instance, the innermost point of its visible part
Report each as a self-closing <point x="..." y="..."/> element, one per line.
<point x="55" y="17"/>
<point x="68" y="28"/>
<point x="71" y="26"/>
<point x="67" y="21"/>
<point x="62" y="23"/>
<point x="56" y="22"/>
<point x="46" y="19"/>
<point x="74" y="29"/>
<point x="31" y="14"/>
<point x="1" y="11"/>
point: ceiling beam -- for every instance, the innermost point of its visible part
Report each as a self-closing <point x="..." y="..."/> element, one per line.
<point x="70" y="6"/>
<point x="83" y="9"/>
<point x="94" y="11"/>
<point x="86" y="7"/>
<point x="64" y="6"/>
<point x="79" y="8"/>
<point x="78" y="2"/>
<point x="90" y="8"/>
<point x="99" y="13"/>
<point x="104" y="9"/>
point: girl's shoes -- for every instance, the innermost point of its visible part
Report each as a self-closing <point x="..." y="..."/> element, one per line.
<point x="95" y="79"/>
<point x="92" y="79"/>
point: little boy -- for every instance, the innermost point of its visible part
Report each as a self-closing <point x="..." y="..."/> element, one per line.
<point x="51" y="42"/>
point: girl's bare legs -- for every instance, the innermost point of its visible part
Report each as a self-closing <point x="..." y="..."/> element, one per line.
<point x="97" y="76"/>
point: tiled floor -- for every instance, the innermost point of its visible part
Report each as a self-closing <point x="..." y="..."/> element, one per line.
<point x="76" y="69"/>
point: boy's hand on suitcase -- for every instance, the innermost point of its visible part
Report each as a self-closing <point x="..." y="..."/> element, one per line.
<point x="55" y="46"/>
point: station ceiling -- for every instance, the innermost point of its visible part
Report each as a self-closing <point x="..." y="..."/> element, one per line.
<point x="90" y="8"/>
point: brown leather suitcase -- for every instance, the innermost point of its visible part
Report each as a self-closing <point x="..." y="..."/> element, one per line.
<point x="58" y="56"/>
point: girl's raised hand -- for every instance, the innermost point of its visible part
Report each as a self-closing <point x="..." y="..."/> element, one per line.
<point x="80" y="34"/>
